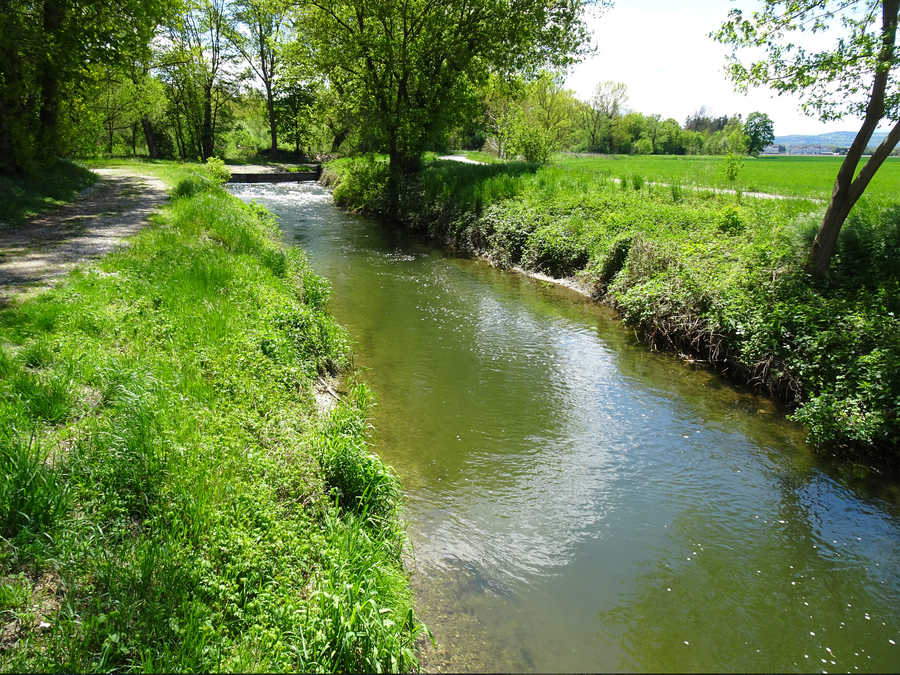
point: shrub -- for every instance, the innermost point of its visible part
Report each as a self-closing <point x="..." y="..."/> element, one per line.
<point x="533" y="143"/>
<point x="730" y="221"/>
<point x="363" y="186"/>
<point x="215" y="168"/>
<point x="556" y="250"/>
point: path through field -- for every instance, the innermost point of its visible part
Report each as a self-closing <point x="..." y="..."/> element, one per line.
<point x="724" y="191"/>
<point x="36" y="253"/>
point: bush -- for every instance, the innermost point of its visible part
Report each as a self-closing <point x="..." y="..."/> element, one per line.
<point x="533" y="143"/>
<point x="363" y="186"/>
<point x="730" y="221"/>
<point x="217" y="171"/>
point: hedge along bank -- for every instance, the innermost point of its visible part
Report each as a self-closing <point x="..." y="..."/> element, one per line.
<point x="715" y="277"/>
<point x="170" y="498"/>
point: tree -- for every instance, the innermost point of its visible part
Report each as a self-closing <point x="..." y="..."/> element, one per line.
<point x="550" y="107"/>
<point x="294" y="108"/>
<point x="47" y="52"/>
<point x="760" y="132"/>
<point x="502" y="107"/>
<point x="607" y="103"/>
<point x="857" y="76"/>
<point x="196" y="68"/>
<point x="263" y="21"/>
<point x="413" y="65"/>
<point x="669" y="138"/>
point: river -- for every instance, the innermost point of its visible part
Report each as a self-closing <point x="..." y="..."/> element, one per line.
<point x="576" y="502"/>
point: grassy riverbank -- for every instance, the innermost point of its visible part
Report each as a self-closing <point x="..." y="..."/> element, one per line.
<point x="715" y="277"/>
<point x="44" y="188"/>
<point x="170" y="497"/>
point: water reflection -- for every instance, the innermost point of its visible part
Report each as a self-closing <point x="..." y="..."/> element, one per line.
<point x="577" y="503"/>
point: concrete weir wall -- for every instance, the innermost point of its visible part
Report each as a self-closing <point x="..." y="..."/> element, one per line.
<point x="254" y="174"/>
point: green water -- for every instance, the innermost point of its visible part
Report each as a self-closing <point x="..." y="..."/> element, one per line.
<point x="578" y="503"/>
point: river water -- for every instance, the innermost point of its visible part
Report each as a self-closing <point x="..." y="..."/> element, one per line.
<point x="576" y="502"/>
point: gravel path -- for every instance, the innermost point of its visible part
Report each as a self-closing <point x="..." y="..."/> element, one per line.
<point x="35" y="254"/>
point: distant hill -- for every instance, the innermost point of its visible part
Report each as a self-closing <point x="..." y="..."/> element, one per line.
<point x="837" y="139"/>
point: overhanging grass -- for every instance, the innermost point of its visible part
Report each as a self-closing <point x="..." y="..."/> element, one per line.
<point x="171" y="500"/>
<point x="44" y="187"/>
<point x="709" y="275"/>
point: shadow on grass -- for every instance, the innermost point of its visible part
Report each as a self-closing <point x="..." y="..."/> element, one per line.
<point x="23" y="196"/>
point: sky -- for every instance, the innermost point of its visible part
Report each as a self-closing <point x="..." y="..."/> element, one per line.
<point x="660" y="50"/>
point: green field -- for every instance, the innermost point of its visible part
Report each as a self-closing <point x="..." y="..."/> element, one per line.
<point x="795" y="176"/>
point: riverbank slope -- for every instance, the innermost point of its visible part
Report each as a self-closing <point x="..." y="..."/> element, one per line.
<point x="171" y="497"/>
<point x="718" y="278"/>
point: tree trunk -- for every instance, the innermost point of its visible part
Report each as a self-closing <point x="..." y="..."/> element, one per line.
<point x="179" y="137"/>
<point x="273" y="128"/>
<point x="150" y="137"/>
<point x="8" y="159"/>
<point x="338" y="138"/>
<point x="48" y="81"/>
<point x="207" y="142"/>
<point x="846" y="190"/>
<point x="843" y="198"/>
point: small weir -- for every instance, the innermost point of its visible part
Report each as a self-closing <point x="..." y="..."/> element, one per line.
<point x="578" y="503"/>
<point x="267" y="174"/>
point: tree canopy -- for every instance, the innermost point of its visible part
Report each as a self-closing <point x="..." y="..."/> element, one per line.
<point x="47" y="50"/>
<point x="858" y="75"/>
<point x="413" y="65"/>
<point x="760" y="132"/>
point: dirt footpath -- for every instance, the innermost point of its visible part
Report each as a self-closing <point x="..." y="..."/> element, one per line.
<point x="36" y="253"/>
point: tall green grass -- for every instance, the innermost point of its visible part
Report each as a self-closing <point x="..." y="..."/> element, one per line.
<point x="164" y="465"/>
<point x="719" y="277"/>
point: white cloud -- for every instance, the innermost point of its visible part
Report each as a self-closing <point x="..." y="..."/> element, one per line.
<point x="662" y="52"/>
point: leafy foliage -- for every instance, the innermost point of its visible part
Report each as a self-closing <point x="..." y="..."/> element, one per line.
<point x="760" y="132"/>
<point x="217" y="171"/>
<point x="389" y="52"/>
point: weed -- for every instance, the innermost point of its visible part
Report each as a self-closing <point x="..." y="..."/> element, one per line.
<point x="217" y="171"/>
<point x="32" y="494"/>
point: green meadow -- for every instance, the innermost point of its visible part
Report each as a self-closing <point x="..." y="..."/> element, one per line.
<point x="811" y="177"/>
